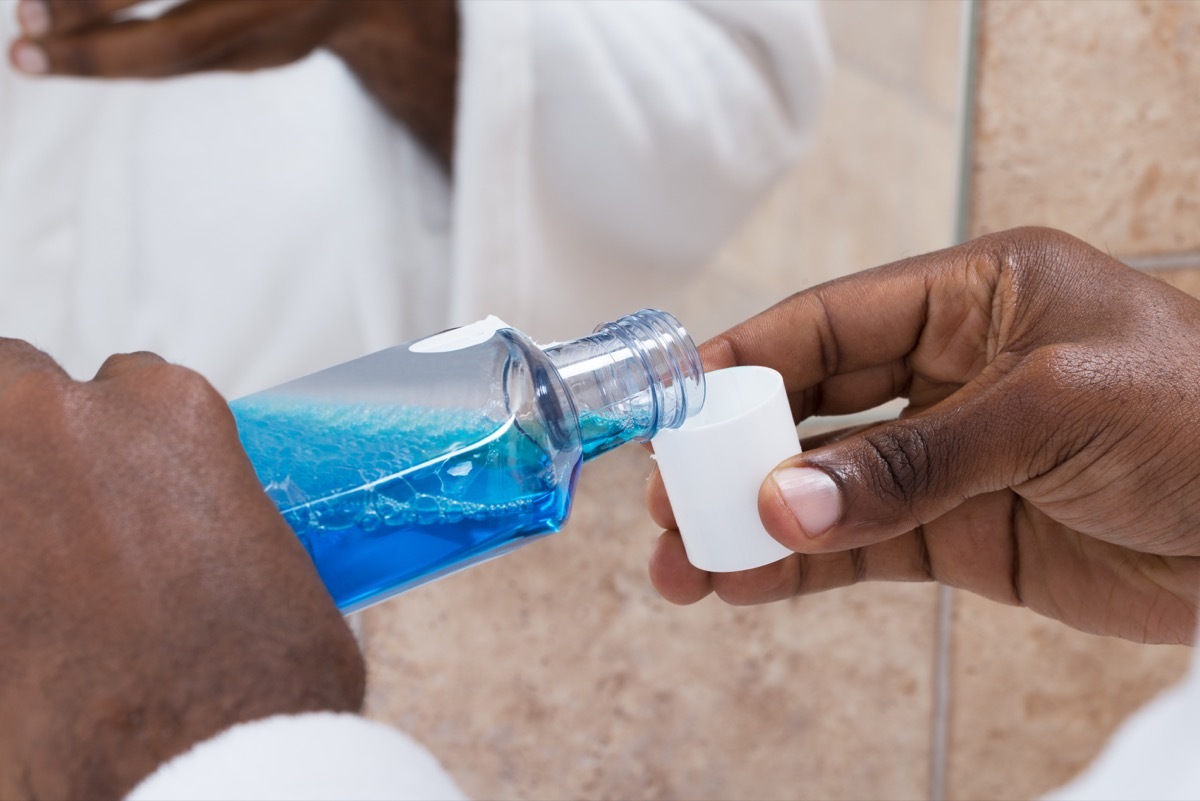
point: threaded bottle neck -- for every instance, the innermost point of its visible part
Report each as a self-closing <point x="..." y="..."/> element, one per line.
<point x="630" y="378"/>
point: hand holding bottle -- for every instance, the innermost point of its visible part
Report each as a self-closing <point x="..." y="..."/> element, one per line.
<point x="405" y="54"/>
<point x="150" y="593"/>
<point x="1048" y="457"/>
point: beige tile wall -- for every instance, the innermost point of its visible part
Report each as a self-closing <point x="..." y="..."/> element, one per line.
<point x="879" y="180"/>
<point x="556" y="672"/>
<point x="1035" y="701"/>
<point x="1087" y="118"/>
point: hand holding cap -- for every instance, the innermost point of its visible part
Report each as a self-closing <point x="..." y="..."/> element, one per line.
<point x="714" y="464"/>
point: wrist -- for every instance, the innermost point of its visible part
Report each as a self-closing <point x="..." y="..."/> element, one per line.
<point x="124" y="723"/>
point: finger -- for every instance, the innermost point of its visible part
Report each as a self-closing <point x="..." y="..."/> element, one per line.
<point x="852" y="392"/>
<point x="260" y="55"/>
<point x="904" y="558"/>
<point x="929" y="314"/>
<point x="974" y="546"/>
<point x="18" y="357"/>
<point x="675" y="578"/>
<point x="866" y="488"/>
<point x="657" y="501"/>
<point x="829" y="437"/>
<point x="187" y="38"/>
<point x="760" y="585"/>
<point x="125" y="363"/>
<point x="38" y="18"/>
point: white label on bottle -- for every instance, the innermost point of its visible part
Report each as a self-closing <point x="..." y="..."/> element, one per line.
<point x="458" y="338"/>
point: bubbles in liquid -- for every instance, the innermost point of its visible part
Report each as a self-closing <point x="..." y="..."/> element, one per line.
<point x="384" y="496"/>
<point x="368" y="521"/>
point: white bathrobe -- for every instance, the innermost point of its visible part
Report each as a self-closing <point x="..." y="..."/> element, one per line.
<point x="258" y="227"/>
<point x="1154" y="755"/>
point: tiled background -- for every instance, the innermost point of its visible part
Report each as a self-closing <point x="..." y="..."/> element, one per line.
<point x="556" y="672"/>
<point x="1086" y="118"/>
<point x="878" y="183"/>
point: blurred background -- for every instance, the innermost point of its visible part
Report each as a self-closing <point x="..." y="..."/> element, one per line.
<point x="559" y="673"/>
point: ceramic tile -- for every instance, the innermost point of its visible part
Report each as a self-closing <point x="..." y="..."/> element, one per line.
<point x="1088" y="119"/>
<point x="1035" y="701"/>
<point x="557" y="672"/>
<point x="1110" y="155"/>
<point x="910" y="46"/>
<point x="878" y="184"/>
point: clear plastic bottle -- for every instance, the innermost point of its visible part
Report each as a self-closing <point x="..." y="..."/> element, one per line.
<point x="417" y="461"/>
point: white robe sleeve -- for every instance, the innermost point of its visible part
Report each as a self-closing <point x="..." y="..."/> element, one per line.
<point x="318" y="755"/>
<point x="637" y="134"/>
<point x="1155" y="754"/>
<point x="659" y="125"/>
<point x="613" y="140"/>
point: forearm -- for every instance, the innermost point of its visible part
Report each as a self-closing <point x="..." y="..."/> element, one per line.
<point x="406" y="55"/>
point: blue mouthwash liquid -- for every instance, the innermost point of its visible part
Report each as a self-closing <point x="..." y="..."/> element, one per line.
<point x="385" y="497"/>
<point x="419" y="460"/>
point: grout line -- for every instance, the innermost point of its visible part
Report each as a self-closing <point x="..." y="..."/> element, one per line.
<point x="1164" y="261"/>
<point x="942" y="698"/>
<point x="968" y="68"/>
<point x="355" y="622"/>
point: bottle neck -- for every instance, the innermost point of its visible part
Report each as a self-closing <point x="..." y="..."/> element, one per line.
<point x="630" y="379"/>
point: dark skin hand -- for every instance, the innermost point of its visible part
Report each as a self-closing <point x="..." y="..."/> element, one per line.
<point x="1049" y="456"/>
<point x="151" y="594"/>
<point x="404" y="53"/>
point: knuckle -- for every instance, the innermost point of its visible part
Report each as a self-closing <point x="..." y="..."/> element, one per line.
<point x="190" y="387"/>
<point x="760" y="585"/>
<point x="150" y="50"/>
<point x="1064" y="372"/>
<point x="1070" y="395"/>
<point x="903" y="464"/>
<point x="36" y="399"/>
<point x="1077" y="382"/>
<point x="120" y="360"/>
<point x="1024" y="240"/>
<point x="738" y="589"/>
<point x="183" y="390"/>
<point x="65" y="13"/>
<point x="1030" y="252"/>
<point x="38" y="381"/>
<point x="827" y="334"/>
<point x="20" y="349"/>
<point x="73" y="56"/>
<point x="182" y="45"/>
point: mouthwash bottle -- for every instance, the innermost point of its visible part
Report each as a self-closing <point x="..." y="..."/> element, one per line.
<point x="420" y="460"/>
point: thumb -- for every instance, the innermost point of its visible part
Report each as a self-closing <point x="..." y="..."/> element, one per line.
<point x="897" y="476"/>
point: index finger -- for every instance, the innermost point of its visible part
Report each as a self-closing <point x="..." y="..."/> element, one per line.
<point x="41" y="17"/>
<point x="857" y="341"/>
<point x="186" y="38"/>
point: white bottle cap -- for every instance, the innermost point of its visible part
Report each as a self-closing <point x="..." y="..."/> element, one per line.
<point x="714" y="464"/>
